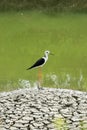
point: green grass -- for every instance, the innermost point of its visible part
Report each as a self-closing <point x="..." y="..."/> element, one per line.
<point x="61" y="124"/>
<point x="24" y="36"/>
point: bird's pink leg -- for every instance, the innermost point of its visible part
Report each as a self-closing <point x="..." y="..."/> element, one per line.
<point x="39" y="76"/>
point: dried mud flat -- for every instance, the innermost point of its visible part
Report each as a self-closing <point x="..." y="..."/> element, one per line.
<point x="33" y="109"/>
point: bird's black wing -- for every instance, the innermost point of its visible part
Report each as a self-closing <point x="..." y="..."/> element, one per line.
<point x="37" y="63"/>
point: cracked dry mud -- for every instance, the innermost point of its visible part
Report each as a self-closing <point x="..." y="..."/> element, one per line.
<point x="33" y="109"/>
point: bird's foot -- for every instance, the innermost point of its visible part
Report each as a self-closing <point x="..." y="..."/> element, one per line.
<point x="40" y="88"/>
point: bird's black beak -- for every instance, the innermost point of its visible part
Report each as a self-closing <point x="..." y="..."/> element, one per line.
<point x="51" y="54"/>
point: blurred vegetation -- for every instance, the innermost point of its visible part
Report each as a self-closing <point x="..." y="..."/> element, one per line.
<point x="61" y="124"/>
<point x="25" y="35"/>
<point x="45" y="5"/>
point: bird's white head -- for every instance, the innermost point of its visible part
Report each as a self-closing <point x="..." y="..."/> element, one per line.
<point x="47" y="52"/>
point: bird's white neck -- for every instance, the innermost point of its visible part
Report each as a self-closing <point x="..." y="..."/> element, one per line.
<point x="46" y="57"/>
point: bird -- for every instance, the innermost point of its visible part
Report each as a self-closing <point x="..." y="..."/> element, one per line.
<point x="40" y="63"/>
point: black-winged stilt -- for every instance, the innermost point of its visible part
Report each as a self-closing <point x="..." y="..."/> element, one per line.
<point x="39" y="63"/>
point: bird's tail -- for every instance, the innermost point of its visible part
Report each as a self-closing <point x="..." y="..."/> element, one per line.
<point x="29" y="68"/>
